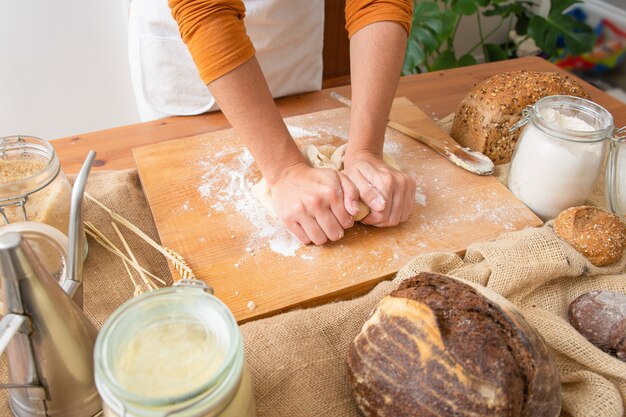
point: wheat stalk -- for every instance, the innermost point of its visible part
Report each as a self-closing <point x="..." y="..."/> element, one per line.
<point x="140" y="233"/>
<point x="148" y="283"/>
<point x="138" y="290"/>
<point x="99" y="237"/>
<point x="185" y="273"/>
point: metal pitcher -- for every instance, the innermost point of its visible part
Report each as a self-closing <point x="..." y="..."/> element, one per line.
<point x="48" y="338"/>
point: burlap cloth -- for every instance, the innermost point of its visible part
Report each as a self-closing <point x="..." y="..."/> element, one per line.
<point x="297" y="359"/>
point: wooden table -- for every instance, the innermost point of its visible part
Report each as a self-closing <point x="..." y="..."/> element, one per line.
<point x="437" y="94"/>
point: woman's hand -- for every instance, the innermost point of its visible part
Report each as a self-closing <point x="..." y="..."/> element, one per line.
<point x="313" y="202"/>
<point x="388" y="193"/>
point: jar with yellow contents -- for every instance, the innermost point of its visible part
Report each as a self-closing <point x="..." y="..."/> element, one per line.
<point x="173" y="352"/>
<point x="32" y="185"/>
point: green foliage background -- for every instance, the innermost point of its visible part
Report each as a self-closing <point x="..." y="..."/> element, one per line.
<point x="435" y="23"/>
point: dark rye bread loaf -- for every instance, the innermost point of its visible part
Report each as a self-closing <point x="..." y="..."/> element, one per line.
<point x="485" y="115"/>
<point x="600" y="316"/>
<point x="439" y="347"/>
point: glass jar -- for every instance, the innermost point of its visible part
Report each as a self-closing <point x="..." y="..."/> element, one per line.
<point x="32" y="185"/>
<point x="173" y="352"/>
<point x="559" y="155"/>
<point x="616" y="175"/>
<point x="48" y="244"/>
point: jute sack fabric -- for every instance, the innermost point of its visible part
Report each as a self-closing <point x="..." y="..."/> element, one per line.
<point x="106" y="282"/>
<point x="297" y="359"/>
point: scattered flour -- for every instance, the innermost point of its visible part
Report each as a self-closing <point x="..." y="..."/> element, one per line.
<point x="236" y="195"/>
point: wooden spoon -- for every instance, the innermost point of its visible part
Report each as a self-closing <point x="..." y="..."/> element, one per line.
<point x="472" y="161"/>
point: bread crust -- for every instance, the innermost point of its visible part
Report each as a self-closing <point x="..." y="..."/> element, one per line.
<point x="598" y="235"/>
<point x="439" y="347"/>
<point x="600" y="316"/>
<point x="491" y="107"/>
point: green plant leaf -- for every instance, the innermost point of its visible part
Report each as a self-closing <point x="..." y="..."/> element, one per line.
<point x="465" y="7"/>
<point x="448" y="20"/>
<point x="521" y="25"/>
<point x="494" y="52"/>
<point x="434" y="24"/>
<point x="467" y="60"/>
<point x="444" y="60"/>
<point x="426" y="38"/>
<point x="577" y="36"/>
<point x="414" y="57"/>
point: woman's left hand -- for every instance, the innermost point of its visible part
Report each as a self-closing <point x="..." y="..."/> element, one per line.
<point x="388" y="193"/>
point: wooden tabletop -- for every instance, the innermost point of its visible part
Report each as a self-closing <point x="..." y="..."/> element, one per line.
<point x="437" y="94"/>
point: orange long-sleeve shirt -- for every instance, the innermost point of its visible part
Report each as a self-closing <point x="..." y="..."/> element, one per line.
<point x="216" y="36"/>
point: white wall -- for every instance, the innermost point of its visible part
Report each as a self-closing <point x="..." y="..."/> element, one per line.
<point x="468" y="36"/>
<point x="64" y="67"/>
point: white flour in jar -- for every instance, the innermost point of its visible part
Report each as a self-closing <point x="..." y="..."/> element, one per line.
<point x="550" y="174"/>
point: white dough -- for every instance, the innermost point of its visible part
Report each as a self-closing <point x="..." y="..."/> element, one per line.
<point x="324" y="156"/>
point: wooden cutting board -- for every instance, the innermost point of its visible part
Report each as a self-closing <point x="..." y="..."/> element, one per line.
<point x="198" y="190"/>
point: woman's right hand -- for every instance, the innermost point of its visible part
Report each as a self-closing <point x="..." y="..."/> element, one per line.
<point x="313" y="202"/>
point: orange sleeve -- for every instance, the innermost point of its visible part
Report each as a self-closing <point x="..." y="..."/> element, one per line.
<point x="360" y="13"/>
<point x="214" y="33"/>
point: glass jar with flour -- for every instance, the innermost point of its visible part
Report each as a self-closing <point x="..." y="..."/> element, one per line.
<point x="173" y="352"/>
<point x="559" y="154"/>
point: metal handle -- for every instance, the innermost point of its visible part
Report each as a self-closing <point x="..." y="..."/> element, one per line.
<point x="9" y="325"/>
<point x="523" y="120"/>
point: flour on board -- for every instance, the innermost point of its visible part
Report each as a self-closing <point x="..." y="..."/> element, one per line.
<point x="235" y="194"/>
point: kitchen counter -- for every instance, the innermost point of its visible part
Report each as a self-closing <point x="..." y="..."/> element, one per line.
<point x="437" y="94"/>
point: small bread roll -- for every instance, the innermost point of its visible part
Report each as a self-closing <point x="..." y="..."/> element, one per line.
<point x="600" y="316"/>
<point x="598" y="235"/>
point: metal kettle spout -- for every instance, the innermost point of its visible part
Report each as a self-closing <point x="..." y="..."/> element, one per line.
<point x="72" y="283"/>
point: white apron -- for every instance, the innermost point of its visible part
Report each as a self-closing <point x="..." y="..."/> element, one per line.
<point x="287" y="35"/>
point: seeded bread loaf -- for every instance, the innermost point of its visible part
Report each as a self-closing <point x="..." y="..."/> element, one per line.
<point x="485" y="115"/>
<point x="438" y="347"/>
<point x="598" y="235"/>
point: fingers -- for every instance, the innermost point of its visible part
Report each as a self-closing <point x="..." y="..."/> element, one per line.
<point x="299" y="232"/>
<point x="409" y="200"/>
<point x="318" y="214"/>
<point x="350" y="195"/>
<point x="399" y="190"/>
<point x="370" y="195"/>
<point x="313" y="230"/>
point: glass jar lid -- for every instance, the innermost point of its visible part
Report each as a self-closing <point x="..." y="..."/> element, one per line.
<point x="569" y="118"/>
<point x="167" y="349"/>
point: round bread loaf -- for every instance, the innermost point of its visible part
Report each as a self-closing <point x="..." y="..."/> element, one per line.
<point x="600" y="316"/>
<point x="485" y="115"/>
<point x="438" y="347"/>
<point x="598" y="235"/>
